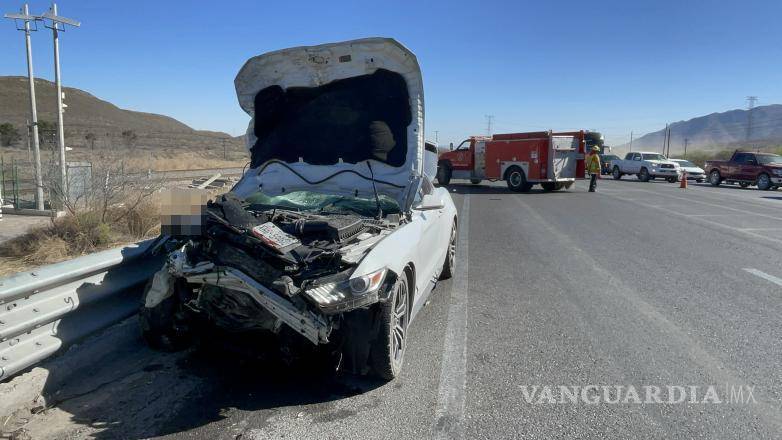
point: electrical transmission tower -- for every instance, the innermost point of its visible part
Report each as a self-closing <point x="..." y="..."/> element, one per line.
<point x="750" y="105"/>
<point x="489" y="119"/>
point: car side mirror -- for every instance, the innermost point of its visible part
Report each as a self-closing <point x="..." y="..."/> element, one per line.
<point x="451" y="146"/>
<point x="429" y="202"/>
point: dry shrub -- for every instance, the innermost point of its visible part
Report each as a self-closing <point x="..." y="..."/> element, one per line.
<point x="144" y="220"/>
<point x="83" y="231"/>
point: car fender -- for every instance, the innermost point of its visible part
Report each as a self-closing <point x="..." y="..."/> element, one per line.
<point x="394" y="251"/>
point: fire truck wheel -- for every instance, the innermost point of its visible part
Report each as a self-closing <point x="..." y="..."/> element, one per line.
<point x="516" y="180"/>
<point x="475" y="181"/>
<point x="444" y="173"/>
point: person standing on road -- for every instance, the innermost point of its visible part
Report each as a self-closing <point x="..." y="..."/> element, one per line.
<point x="593" y="167"/>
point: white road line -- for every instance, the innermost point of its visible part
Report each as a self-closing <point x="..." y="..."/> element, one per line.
<point x="765" y="276"/>
<point x="449" y="413"/>
<point x="721" y="207"/>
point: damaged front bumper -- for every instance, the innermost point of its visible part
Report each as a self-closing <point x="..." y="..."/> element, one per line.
<point x="310" y="325"/>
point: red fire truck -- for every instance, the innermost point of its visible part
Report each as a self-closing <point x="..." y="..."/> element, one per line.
<point x="553" y="160"/>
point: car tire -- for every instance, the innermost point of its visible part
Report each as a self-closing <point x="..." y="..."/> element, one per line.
<point x="744" y="184"/>
<point x="672" y="179"/>
<point x="444" y="172"/>
<point x="714" y="178"/>
<point x="162" y="325"/>
<point x="388" y="350"/>
<point x="764" y="182"/>
<point x="475" y="181"/>
<point x="643" y="175"/>
<point x="616" y="173"/>
<point x="450" y="255"/>
<point x="517" y="180"/>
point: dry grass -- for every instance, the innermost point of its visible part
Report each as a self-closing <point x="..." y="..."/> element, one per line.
<point x="78" y="234"/>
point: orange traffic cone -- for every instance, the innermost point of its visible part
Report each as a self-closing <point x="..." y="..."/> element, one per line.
<point x="683" y="185"/>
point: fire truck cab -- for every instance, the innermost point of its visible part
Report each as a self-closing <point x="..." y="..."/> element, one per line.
<point x="553" y="160"/>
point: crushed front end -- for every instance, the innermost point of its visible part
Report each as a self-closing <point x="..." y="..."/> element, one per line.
<point x="255" y="267"/>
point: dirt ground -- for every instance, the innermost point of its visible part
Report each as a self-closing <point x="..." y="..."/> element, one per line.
<point x="12" y="225"/>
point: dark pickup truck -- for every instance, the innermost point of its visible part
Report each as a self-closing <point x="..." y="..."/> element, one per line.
<point x="747" y="168"/>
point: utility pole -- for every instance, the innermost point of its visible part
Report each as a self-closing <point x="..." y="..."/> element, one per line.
<point x="750" y="105"/>
<point x="27" y="18"/>
<point x="57" y="24"/>
<point x="686" y="142"/>
<point x="631" y="141"/>
<point x="669" y="143"/>
<point x="488" y="124"/>
<point x="436" y="135"/>
<point x="224" y="152"/>
<point x="665" y="137"/>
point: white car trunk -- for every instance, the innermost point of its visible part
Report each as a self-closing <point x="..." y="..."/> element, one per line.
<point x="322" y="115"/>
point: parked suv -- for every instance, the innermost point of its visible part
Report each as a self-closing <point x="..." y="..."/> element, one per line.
<point x="646" y="166"/>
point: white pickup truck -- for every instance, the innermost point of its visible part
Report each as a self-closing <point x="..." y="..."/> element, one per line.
<point x="646" y="166"/>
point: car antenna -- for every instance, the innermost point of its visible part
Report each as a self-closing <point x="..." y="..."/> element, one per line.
<point x="374" y="188"/>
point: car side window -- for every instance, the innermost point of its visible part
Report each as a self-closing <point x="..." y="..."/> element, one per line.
<point x="637" y="156"/>
<point x="741" y="158"/>
<point x="629" y="156"/>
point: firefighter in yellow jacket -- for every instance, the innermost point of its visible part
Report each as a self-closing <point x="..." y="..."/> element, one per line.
<point x="593" y="167"/>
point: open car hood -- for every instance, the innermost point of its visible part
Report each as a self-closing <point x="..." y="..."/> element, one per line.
<point x="322" y="115"/>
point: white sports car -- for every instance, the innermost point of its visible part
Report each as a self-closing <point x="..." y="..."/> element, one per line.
<point x="335" y="235"/>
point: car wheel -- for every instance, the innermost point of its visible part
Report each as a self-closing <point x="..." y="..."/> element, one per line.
<point x="450" y="255"/>
<point x="516" y="180"/>
<point x="616" y="173"/>
<point x="643" y="175"/>
<point x="743" y="184"/>
<point x="444" y="173"/>
<point x="388" y="350"/>
<point x="671" y="179"/>
<point x="764" y="182"/>
<point x="475" y="181"/>
<point x="714" y="178"/>
<point x="162" y="325"/>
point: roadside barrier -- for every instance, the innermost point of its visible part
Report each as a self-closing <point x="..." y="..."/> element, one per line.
<point x="51" y="307"/>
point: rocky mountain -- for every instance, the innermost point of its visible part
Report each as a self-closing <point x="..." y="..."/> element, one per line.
<point x="719" y="130"/>
<point x="87" y="114"/>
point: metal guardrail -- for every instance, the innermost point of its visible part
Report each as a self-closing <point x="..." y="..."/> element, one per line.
<point x="51" y="307"/>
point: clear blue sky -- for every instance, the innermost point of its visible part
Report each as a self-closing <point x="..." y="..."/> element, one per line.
<point x="614" y="66"/>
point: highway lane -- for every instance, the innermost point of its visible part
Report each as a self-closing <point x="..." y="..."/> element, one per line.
<point x="639" y="284"/>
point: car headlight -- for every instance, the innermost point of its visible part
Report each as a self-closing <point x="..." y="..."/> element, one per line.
<point x="336" y="296"/>
<point x="778" y="172"/>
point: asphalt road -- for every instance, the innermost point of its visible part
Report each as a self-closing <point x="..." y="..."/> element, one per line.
<point x="639" y="284"/>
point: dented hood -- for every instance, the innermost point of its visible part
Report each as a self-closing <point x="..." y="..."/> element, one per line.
<point x="323" y="115"/>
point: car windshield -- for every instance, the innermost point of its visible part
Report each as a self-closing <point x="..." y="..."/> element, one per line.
<point x="686" y="163"/>
<point x="326" y="203"/>
<point x="769" y="158"/>
<point x="653" y="156"/>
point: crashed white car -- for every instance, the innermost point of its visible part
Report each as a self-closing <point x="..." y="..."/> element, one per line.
<point x="335" y="235"/>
